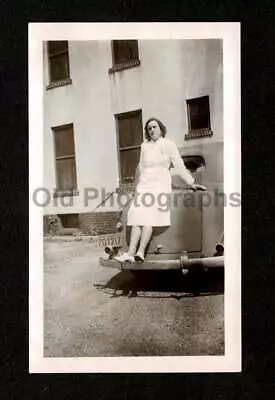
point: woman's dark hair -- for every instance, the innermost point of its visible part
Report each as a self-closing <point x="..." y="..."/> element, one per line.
<point x="161" y="126"/>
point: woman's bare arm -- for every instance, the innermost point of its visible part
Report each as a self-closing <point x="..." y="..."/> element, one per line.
<point x="179" y="164"/>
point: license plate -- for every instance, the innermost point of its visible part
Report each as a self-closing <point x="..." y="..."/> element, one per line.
<point x="109" y="240"/>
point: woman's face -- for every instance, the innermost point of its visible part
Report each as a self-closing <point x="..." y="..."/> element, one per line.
<point x="153" y="130"/>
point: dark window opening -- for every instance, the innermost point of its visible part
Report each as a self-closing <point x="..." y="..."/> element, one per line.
<point x="199" y="125"/>
<point x="199" y="113"/>
<point x="130" y="137"/>
<point x="65" y="158"/>
<point x="69" y="220"/>
<point x="125" y="55"/>
<point x="58" y="54"/>
<point x="125" y="51"/>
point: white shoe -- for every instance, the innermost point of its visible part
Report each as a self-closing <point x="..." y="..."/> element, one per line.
<point x="139" y="257"/>
<point x="124" y="258"/>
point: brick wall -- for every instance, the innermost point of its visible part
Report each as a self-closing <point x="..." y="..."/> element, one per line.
<point x="97" y="223"/>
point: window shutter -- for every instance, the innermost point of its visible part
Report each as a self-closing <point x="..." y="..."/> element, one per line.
<point x="130" y="137"/>
<point x="65" y="158"/>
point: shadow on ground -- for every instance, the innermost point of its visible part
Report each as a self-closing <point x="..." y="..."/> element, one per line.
<point x="197" y="282"/>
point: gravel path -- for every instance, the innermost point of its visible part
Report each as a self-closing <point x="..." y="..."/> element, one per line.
<point x="83" y="320"/>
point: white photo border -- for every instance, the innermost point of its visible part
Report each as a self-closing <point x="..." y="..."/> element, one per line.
<point x="230" y="34"/>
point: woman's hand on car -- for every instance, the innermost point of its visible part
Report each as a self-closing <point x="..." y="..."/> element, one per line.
<point x="196" y="187"/>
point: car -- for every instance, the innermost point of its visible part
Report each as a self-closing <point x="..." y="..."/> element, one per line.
<point x="194" y="242"/>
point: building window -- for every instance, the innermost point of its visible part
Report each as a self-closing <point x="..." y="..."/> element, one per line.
<point x="65" y="158"/>
<point x="69" y="220"/>
<point x="125" y="54"/>
<point x="59" y="68"/>
<point x="198" y="111"/>
<point x="130" y="137"/>
<point x="125" y="51"/>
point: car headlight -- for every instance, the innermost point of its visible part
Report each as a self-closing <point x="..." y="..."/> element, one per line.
<point x="119" y="226"/>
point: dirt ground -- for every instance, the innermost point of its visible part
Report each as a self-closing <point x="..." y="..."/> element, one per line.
<point x="83" y="318"/>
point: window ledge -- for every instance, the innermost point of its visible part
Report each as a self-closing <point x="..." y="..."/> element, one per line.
<point x="63" y="82"/>
<point x="199" y="133"/>
<point x="64" y="193"/>
<point x="126" y="65"/>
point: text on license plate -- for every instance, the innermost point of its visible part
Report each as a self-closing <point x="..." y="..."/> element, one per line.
<point x="109" y="241"/>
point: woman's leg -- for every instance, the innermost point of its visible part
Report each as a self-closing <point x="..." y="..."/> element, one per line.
<point x="145" y="238"/>
<point x="134" y="239"/>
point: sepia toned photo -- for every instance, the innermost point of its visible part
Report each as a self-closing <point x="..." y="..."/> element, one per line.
<point x="134" y="197"/>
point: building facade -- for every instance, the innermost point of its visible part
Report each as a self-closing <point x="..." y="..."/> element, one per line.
<point x="97" y="97"/>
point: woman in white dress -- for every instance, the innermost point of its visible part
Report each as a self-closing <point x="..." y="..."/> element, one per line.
<point x="154" y="185"/>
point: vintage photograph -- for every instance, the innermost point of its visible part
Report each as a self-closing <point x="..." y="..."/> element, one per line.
<point x="132" y="198"/>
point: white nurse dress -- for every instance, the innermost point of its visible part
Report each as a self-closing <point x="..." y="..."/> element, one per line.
<point x="150" y="205"/>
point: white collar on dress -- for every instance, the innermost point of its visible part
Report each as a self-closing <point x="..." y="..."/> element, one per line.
<point x="154" y="142"/>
